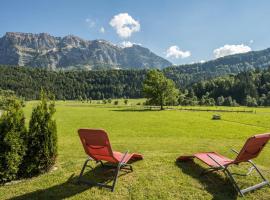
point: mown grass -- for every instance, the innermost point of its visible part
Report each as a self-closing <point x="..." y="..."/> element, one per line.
<point x="161" y="136"/>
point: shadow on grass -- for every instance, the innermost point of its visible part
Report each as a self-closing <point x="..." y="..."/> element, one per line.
<point x="214" y="183"/>
<point x="71" y="187"/>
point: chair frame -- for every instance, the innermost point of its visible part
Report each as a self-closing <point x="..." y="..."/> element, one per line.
<point x="96" y="140"/>
<point x="118" y="167"/>
<point x="229" y="174"/>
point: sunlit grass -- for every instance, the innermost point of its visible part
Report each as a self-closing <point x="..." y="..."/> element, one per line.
<point x="161" y="136"/>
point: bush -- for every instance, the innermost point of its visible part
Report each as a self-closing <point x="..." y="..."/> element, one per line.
<point x="220" y="101"/>
<point x="115" y="102"/>
<point x="126" y="101"/>
<point x="251" y="101"/>
<point x="12" y="141"/>
<point x="42" y="139"/>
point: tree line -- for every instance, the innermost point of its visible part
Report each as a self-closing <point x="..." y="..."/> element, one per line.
<point x="250" y="88"/>
<point x="70" y="85"/>
<point x="246" y="88"/>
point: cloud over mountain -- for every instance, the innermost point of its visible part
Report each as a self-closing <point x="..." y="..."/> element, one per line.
<point x="230" y="50"/>
<point x="175" y="52"/>
<point x="124" y="25"/>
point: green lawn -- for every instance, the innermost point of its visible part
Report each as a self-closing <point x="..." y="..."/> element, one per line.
<point x="161" y="136"/>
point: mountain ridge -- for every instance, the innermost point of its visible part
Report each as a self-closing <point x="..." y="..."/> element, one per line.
<point x="231" y="64"/>
<point x="44" y="50"/>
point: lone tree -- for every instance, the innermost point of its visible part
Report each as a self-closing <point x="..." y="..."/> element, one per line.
<point x="159" y="90"/>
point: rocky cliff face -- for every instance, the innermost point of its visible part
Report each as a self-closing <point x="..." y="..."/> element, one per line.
<point x="44" y="50"/>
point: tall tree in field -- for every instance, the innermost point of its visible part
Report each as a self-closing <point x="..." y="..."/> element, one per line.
<point x="159" y="90"/>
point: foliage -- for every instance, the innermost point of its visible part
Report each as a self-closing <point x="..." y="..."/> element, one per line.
<point x="108" y="84"/>
<point x="8" y="97"/>
<point x="125" y="101"/>
<point x="72" y="85"/>
<point x="12" y="140"/>
<point x="186" y="75"/>
<point x="42" y="139"/>
<point x="247" y="88"/>
<point x="159" y="90"/>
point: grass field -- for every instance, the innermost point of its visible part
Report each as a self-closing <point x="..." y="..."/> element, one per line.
<point x="161" y="136"/>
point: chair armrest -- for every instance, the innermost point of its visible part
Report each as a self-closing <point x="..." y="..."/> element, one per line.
<point x="215" y="161"/>
<point x="233" y="150"/>
<point x="123" y="157"/>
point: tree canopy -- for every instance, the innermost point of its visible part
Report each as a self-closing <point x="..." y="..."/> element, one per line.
<point x="159" y="90"/>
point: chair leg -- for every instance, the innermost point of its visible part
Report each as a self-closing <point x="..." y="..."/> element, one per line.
<point x="116" y="175"/>
<point x="124" y="166"/>
<point x="229" y="174"/>
<point x="251" y="188"/>
<point x="257" y="169"/>
<point x="83" y="168"/>
<point x="111" y="187"/>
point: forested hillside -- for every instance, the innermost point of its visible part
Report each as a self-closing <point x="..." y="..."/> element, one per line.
<point x="233" y="64"/>
<point x="249" y="88"/>
<point x="27" y="82"/>
<point x="246" y="88"/>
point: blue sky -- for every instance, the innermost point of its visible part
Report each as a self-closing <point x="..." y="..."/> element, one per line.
<point x="181" y="31"/>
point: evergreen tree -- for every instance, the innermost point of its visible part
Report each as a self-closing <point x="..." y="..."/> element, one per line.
<point x="12" y="140"/>
<point x="42" y="139"/>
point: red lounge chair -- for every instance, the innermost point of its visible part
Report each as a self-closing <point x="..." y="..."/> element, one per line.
<point x="250" y="150"/>
<point x="97" y="146"/>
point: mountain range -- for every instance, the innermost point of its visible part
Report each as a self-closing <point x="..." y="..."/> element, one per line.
<point x="72" y="52"/>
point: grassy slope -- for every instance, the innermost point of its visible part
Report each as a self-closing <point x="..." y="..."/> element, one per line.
<point x="160" y="137"/>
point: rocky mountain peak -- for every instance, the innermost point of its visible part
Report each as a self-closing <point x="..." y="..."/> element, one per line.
<point x="44" y="50"/>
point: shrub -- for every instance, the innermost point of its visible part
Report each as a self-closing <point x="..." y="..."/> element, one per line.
<point x="251" y="101"/>
<point x="110" y="100"/>
<point x="228" y="101"/>
<point x="116" y="102"/>
<point x="42" y="139"/>
<point x="126" y="101"/>
<point x="220" y="101"/>
<point x="12" y="140"/>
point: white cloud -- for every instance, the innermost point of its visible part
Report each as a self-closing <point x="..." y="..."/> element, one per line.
<point x="230" y="50"/>
<point x="124" y="25"/>
<point x="202" y="61"/>
<point x="175" y="52"/>
<point x="126" y="44"/>
<point x="91" y="23"/>
<point x="102" y="30"/>
<point x="251" y="41"/>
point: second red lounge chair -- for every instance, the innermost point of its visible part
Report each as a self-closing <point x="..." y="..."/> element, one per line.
<point x="97" y="146"/>
<point x="250" y="150"/>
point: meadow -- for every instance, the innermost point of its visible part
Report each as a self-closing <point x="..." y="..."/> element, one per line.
<point x="161" y="136"/>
